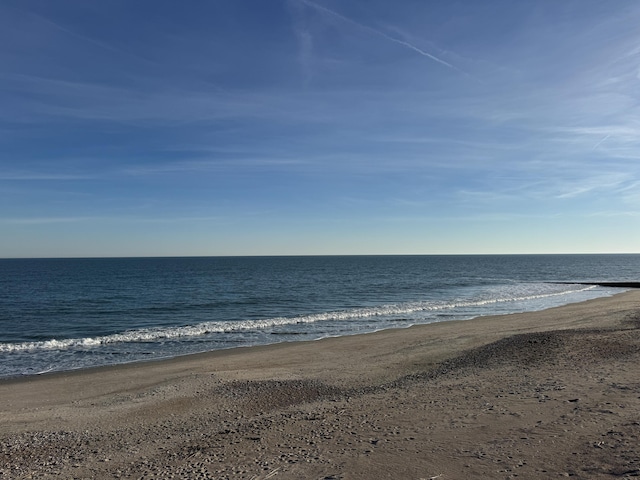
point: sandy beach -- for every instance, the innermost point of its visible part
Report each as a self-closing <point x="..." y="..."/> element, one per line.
<point x="537" y="395"/>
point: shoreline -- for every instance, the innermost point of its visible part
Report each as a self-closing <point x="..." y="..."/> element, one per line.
<point x="604" y="284"/>
<point x="317" y="408"/>
<point x="212" y="355"/>
<point x="27" y="377"/>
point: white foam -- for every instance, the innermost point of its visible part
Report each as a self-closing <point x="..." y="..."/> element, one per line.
<point x="158" y="334"/>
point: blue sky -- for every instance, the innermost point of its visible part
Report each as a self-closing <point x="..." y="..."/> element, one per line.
<point x="250" y="127"/>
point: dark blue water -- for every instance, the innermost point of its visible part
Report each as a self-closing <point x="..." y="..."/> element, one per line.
<point x="61" y="314"/>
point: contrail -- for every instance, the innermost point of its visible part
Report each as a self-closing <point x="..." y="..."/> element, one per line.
<point x="381" y="34"/>
<point x="600" y="142"/>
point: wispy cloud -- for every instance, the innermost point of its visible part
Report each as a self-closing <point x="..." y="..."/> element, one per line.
<point x="113" y="219"/>
<point x="45" y="98"/>
<point x="615" y="214"/>
<point x="304" y="38"/>
<point x="42" y="176"/>
<point x="45" y="220"/>
<point x="381" y="34"/>
<point x="600" y="142"/>
<point x="77" y="36"/>
<point x="216" y="165"/>
<point x="605" y="183"/>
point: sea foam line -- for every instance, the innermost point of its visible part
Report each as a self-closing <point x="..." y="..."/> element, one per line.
<point x="155" y="334"/>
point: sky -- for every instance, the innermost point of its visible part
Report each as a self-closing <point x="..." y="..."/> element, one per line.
<point x="290" y="127"/>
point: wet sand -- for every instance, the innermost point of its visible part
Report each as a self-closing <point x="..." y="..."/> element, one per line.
<point x="538" y="395"/>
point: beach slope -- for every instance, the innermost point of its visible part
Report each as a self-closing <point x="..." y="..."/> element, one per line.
<point x="536" y="395"/>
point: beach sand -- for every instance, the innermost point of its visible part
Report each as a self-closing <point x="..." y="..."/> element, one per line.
<point x="537" y="395"/>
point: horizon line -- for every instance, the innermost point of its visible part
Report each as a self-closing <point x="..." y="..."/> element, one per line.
<point x="116" y="257"/>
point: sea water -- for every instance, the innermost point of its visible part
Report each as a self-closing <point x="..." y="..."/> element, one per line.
<point x="64" y="314"/>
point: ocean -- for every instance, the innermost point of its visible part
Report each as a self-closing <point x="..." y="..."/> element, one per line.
<point x="66" y="314"/>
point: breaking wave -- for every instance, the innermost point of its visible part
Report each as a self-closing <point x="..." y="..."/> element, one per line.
<point x="521" y="293"/>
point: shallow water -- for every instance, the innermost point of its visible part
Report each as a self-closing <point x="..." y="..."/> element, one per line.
<point x="61" y="314"/>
